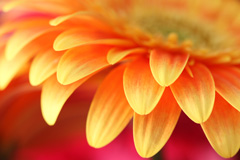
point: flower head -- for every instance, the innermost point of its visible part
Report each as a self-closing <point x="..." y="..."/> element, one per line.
<point x="164" y="57"/>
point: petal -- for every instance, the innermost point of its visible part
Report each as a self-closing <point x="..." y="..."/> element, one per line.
<point x="21" y="38"/>
<point x="10" y="68"/>
<point x="223" y="128"/>
<point x="61" y="19"/>
<point x="109" y="112"/>
<point x="195" y="95"/>
<point x="167" y="67"/>
<point x="227" y="84"/>
<point x="152" y="131"/>
<point x="41" y="6"/>
<point x="116" y="54"/>
<point x="53" y="97"/>
<point x="77" y="37"/>
<point x="80" y="62"/>
<point x="43" y="66"/>
<point x="141" y="90"/>
<point x="10" y="5"/>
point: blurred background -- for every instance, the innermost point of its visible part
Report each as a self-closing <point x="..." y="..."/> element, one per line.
<point x="24" y="135"/>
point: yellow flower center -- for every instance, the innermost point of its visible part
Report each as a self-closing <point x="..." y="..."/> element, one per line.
<point x="162" y="24"/>
<point x="204" y="32"/>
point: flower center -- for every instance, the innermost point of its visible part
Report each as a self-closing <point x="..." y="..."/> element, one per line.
<point x="203" y="35"/>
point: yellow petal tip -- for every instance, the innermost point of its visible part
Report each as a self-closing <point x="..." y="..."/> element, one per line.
<point x="49" y="118"/>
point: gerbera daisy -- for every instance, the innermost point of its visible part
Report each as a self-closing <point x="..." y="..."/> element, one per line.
<point x="165" y="55"/>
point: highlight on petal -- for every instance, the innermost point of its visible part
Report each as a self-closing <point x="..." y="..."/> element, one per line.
<point x="61" y="19"/>
<point x="223" y="128"/>
<point x="80" y="62"/>
<point x="43" y="66"/>
<point x="141" y="89"/>
<point x="21" y="38"/>
<point x="59" y="6"/>
<point x="77" y="37"/>
<point x="116" y="54"/>
<point x="109" y="112"/>
<point x="195" y="95"/>
<point x="227" y="84"/>
<point x="152" y="131"/>
<point x="166" y="67"/>
<point x="53" y="97"/>
<point x="10" y="68"/>
<point x="10" y="5"/>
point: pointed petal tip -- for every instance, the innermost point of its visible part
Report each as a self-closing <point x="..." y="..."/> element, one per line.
<point x="109" y="113"/>
<point x="2" y="87"/>
<point x="94" y="142"/>
<point x="49" y="119"/>
<point x="167" y="67"/>
<point x="3" y="83"/>
<point x="227" y="84"/>
<point x="141" y="90"/>
<point x="197" y="97"/>
<point x="49" y="114"/>
<point x="57" y="46"/>
<point x="222" y="128"/>
<point x="144" y="153"/>
<point x="55" y="22"/>
<point x="33" y="81"/>
<point x="62" y="80"/>
<point x="156" y="127"/>
<point x="54" y="96"/>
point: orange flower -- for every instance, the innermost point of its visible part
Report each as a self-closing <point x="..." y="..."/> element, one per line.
<point x="165" y="56"/>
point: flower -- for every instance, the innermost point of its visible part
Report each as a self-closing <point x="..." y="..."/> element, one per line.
<point x="189" y="142"/>
<point x="25" y="135"/>
<point x="164" y="57"/>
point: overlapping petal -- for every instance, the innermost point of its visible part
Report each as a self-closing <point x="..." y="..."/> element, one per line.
<point x="10" y="68"/>
<point x="53" y="97"/>
<point x="223" y="128"/>
<point x="227" y="83"/>
<point x="109" y="112"/>
<point x="80" y="62"/>
<point x="116" y="54"/>
<point x="79" y="15"/>
<point x="166" y="66"/>
<point x="195" y="95"/>
<point x="77" y="37"/>
<point x="39" y="71"/>
<point x="141" y="89"/>
<point x="22" y="38"/>
<point x="152" y="131"/>
<point x="60" y="7"/>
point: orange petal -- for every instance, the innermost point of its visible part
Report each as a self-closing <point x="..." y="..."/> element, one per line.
<point x="152" y="131"/>
<point x="109" y="112"/>
<point x="167" y="67"/>
<point x="195" y="95"/>
<point x="142" y="91"/>
<point x="61" y="19"/>
<point x="77" y="37"/>
<point x="80" y="62"/>
<point x="9" y="68"/>
<point x="223" y="128"/>
<point x="116" y="54"/>
<point x="21" y="38"/>
<point x="10" y="5"/>
<point x="42" y="6"/>
<point x="227" y="84"/>
<point x="22" y="23"/>
<point x="43" y="66"/>
<point x="53" y="97"/>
